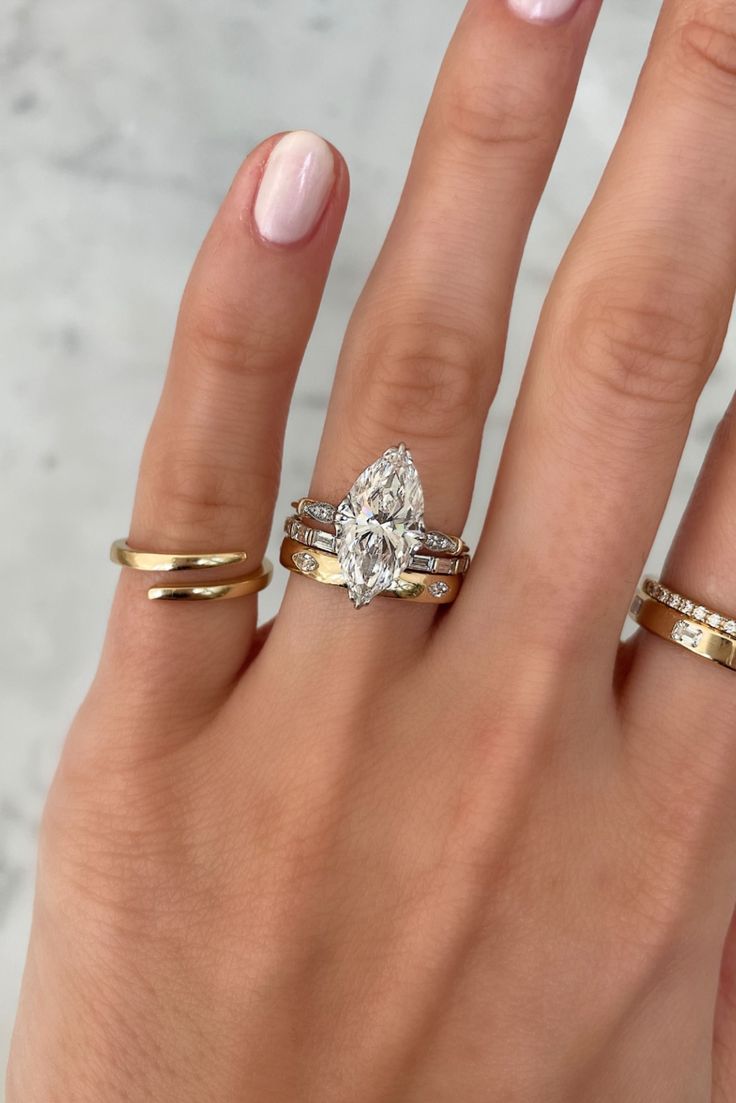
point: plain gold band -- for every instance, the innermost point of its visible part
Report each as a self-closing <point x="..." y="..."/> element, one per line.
<point x="683" y="629"/>
<point x="125" y="556"/>
<point x="216" y="591"/>
<point x="430" y="589"/>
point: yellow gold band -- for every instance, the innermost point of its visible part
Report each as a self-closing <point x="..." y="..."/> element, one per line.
<point x="685" y="622"/>
<point x="122" y="554"/>
<point x="325" y="567"/>
<point x="125" y="556"/>
<point x="216" y="591"/>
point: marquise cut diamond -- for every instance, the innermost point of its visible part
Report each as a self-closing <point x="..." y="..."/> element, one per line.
<point x="379" y="524"/>
<point x="321" y="511"/>
<point x="438" y="542"/>
<point x="305" y="562"/>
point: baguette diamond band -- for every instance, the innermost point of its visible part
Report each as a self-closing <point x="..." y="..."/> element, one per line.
<point x="297" y="530"/>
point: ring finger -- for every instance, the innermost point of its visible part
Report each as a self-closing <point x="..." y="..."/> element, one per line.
<point x="632" y="327"/>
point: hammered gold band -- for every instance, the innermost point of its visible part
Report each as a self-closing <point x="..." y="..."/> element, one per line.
<point x="322" y="566"/>
<point x="685" y="622"/>
<point x="224" y="589"/>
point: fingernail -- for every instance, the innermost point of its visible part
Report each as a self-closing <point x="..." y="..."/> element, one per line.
<point x="543" y="11"/>
<point x="295" y="187"/>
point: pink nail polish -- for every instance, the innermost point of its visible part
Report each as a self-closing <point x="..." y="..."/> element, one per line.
<point x="295" y="187"/>
<point x="543" y="11"/>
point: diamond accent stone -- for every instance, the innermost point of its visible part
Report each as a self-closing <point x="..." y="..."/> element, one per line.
<point x="438" y="589"/>
<point x="321" y="511"/>
<point x="687" y="607"/>
<point x="439" y="542"/>
<point x="714" y="621"/>
<point x="379" y="524"/>
<point x="730" y="627"/>
<point x="305" y="562"/>
<point x="688" y="634"/>
<point x="700" y="612"/>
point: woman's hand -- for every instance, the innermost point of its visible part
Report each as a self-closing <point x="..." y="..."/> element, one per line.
<point x="399" y="855"/>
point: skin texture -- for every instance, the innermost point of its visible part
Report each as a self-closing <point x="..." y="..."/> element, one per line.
<point x="395" y="855"/>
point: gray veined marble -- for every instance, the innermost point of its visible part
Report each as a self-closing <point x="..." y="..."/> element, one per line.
<point x="121" y="126"/>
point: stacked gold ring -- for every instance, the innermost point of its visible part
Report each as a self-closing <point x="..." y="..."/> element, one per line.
<point x="322" y="566"/>
<point x="686" y="622"/>
<point x="242" y="586"/>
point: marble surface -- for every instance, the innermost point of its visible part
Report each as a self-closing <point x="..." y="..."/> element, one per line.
<point x="121" y="126"/>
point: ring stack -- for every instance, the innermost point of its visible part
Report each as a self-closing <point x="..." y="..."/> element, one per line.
<point x="375" y="540"/>
<point x="686" y="622"/>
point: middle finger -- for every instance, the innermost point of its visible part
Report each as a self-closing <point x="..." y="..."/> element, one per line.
<point x="424" y="349"/>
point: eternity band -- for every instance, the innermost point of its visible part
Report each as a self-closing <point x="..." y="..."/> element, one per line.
<point x="685" y="622"/>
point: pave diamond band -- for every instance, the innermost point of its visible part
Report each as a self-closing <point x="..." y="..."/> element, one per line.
<point x="378" y="538"/>
<point x="690" y="608"/>
<point x="325" y="567"/>
<point x="685" y="622"/>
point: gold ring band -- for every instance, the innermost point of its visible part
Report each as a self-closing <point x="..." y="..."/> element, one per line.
<point x="247" y="584"/>
<point x="242" y="586"/>
<point x="125" y="556"/>
<point x="685" y="622"/>
<point x="322" y="566"/>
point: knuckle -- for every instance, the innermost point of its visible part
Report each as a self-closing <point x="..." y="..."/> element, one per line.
<point x="197" y="492"/>
<point x="480" y="114"/>
<point x="424" y="380"/>
<point x="222" y="340"/>
<point x="706" y="45"/>
<point x="649" y="354"/>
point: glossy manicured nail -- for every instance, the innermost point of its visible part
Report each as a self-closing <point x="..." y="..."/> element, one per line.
<point x="295" y="187"/>
<point x="543" y="11"/>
